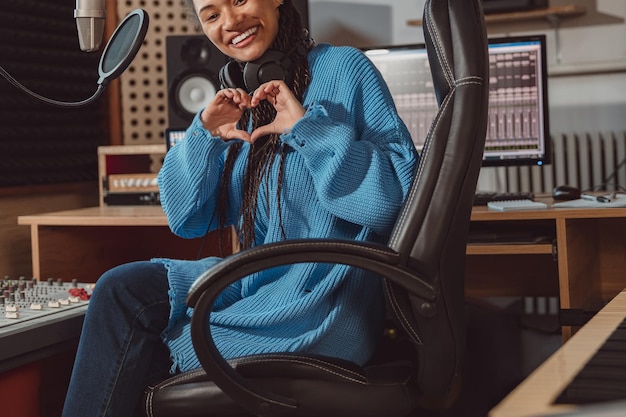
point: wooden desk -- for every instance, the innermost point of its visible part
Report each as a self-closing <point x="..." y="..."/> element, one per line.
<point x="583" y="260"/>
<point x="84" y="243"/>
<point x="584" y="264"/>
<point x="535" y="396"/>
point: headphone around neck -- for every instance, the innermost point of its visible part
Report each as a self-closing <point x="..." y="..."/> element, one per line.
<point x="272" y="65"/>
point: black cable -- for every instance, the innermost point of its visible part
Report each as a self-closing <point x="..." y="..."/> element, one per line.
<point x="17" y="84"/>
<point x="614" y="175"/>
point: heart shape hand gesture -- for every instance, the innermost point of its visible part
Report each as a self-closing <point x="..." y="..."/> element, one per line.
<point x="221" y="115"/>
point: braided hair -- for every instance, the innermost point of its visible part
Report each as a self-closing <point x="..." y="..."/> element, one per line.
<point x="267" y="149"/>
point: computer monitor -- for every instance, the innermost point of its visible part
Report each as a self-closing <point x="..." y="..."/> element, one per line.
<point x="517" y="132"/>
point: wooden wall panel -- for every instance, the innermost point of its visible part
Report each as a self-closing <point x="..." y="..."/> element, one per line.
<point x="15" y="248"/>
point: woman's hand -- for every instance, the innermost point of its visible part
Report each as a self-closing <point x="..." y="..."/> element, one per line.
<point x="288" y="108"/>
<point x="221" y="115"/>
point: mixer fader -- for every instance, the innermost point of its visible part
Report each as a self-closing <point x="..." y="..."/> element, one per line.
<point x="27" y="299"/>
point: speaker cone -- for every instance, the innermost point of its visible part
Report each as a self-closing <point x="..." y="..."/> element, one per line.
<point x="193" y="93"/>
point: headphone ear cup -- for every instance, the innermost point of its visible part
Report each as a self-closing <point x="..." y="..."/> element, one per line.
<point x="273" y="65"/>
<point x="230" y="76"/>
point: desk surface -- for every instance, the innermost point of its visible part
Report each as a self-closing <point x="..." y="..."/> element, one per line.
<point x="100" y="216"/>
<point x="535" y="396"/>
<point x="482" y="213"/>
<point x="154" y="216"/>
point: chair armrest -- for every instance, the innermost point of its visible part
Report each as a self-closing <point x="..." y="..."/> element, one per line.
<point x="205" y="290"/>
<point x="366" y="255"/>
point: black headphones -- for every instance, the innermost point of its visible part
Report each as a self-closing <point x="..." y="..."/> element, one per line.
<point x="272" y="65"/>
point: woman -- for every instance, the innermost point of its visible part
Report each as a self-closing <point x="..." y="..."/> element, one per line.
<point x="322" y="153"/>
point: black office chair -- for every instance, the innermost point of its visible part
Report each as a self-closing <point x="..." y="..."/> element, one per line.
<point x="423" y="265"/>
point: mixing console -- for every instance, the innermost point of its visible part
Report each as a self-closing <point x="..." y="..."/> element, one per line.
<point x="39" y="318"/>
<point x="23" y="300"/>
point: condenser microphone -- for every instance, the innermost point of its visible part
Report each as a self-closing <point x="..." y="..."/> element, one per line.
<point x="90" y="15"/>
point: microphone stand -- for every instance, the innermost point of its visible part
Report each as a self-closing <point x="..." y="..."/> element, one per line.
<point x="125" y="43"/>
<point x="85" y="102"/>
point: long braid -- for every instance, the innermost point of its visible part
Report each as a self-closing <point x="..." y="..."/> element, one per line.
<point x="264" y="150"/>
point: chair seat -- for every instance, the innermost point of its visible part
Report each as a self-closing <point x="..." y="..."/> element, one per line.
<point x="322" y="386"/>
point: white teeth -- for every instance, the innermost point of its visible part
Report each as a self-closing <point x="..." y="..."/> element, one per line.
<point x="244" y="35"/>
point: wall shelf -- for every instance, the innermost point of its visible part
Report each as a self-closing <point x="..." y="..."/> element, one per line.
<point x="551" y="14"/>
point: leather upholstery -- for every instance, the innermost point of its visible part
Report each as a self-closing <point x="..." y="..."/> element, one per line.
<point x="423" y="263"/>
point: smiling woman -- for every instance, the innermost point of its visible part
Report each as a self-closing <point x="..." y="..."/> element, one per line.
<point x="287" y="157"/>
<point x="242" y="30"/>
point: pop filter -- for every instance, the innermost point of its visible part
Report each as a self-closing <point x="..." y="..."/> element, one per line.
<point x="123" y="46"/>
<point x="118" y="53"/>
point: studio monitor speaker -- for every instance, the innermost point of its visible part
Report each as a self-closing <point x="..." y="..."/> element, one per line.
<point x="193" y="65"/>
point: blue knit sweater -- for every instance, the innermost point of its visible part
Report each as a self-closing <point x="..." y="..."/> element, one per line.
<point x="349" y="164"/>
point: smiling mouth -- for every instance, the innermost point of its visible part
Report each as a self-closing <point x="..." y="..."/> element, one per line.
<point x="237" y="39"/>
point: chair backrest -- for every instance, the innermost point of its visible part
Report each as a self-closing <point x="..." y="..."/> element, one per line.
<point x="432" y="228"/>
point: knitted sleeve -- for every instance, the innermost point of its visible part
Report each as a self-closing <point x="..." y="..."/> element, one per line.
<point x="356" y="147"/>
<point x="189" y="180"/>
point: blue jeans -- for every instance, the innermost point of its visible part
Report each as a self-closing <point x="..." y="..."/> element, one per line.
<point x="120" y="350"/>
